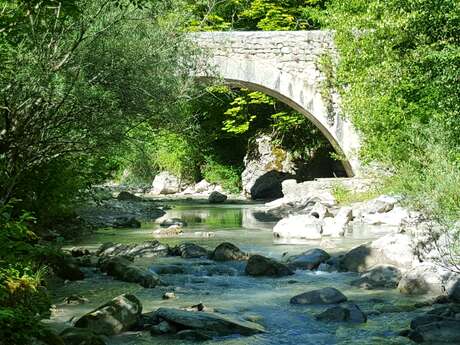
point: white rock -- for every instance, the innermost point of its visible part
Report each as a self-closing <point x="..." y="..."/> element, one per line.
<point x="381" y="204"/>
<point x="426" y="278"/>
<point x="337" y="226"/>
<point x="395" y="217"/>
<point x="165" y="183"/>
<point x="320" y="211"/>
<point x="298" y="226"/>
<point x="202" y="186"/>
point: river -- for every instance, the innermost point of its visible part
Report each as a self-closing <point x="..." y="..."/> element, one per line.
<point x="224" y="287"/>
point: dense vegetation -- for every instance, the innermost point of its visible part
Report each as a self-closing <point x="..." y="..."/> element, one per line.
<point x="399" y="78"/>
<point x="77" y="80"/>
<point x="91" y="90"/>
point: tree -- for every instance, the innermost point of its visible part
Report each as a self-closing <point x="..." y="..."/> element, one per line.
<point x="77" y="77"/>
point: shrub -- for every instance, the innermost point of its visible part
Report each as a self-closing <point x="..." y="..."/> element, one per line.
<point x="228" y="176"/>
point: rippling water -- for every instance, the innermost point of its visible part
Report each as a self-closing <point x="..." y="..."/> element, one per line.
<point x="224" y="286"/>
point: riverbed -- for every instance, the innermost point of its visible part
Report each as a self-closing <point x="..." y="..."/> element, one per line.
<point x="224" y="286"/>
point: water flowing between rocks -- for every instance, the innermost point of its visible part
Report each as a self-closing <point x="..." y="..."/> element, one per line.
<point x="224" y="286"/>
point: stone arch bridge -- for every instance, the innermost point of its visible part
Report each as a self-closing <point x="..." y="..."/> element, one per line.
<point x="285" y="65"/>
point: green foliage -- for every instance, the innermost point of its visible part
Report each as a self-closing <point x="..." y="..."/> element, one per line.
<point x="76" y="81"/>
<point x="255" y="15"/>
<point x="228" y="176"/>
<point x="176" y="154"/>
<point x="401" y="61"/>
<point x="240" y="115"/>
<point x="345" y="196"/>
<point x="23" y="301"/>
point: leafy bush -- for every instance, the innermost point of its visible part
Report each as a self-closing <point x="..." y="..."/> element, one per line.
<point x="23" y="300"/>
<point x="228" y="176"/>
<point x="177" y="154"/>
<point x="400" y="62"/>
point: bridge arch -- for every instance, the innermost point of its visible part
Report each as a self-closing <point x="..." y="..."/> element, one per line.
<point x="285" y="66"/>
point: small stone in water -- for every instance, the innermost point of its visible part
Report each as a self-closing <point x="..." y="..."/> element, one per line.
<point x="169" y="295"/>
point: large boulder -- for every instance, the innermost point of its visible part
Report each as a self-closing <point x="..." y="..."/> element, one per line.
<point x="116" y="316"/>
<point x="259" y="265"/>
<point x="216" y="198"/>
<point x="348" y="312"/>
<point x="299" y="226"/>
<point x="326" y="295"/>
<point x="228" y="252"/>
<point x="438" y="326"/>
<point x="165" y="183"/>
<point x="301" y="204"/>
<point x="395" y="249"/>
<point x="453" y="288"/>
<point x="396" y="217"/>
<point x="425" y="278"/>
<point x="127" y="196"/>
<point x="266" y="166"/>
<point x="308" y="260"/>
<point x="148" y="249"/>
<point x="123" y="269"/>
<point x="380" y="276"/>
<point x="80" y="336"/>
<point x="190" y="251"/>
<point x="210" y="323"/>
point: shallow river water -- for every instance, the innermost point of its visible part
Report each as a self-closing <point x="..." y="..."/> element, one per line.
<point x="224" y="287"/>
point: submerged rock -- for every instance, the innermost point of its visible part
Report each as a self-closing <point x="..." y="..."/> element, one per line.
<point x="217" y="198"/>
<point x="193" y="335"/>
<point x="348" y="312"/>
<point x="80" y="336"/>
<point x="326" y="295"/>
<point x="122" y="269"/>
<point x="380" y="276"/>
<point x="211" y="323"/>
<point x="438" y="326"/>
<point x="148" y="249"/>
<point x="228" y="252"/>
<point x="126" y="222"/>
<point x="259" y="265"/>
<point x="190" y="250"/>
<point x="169" y="269"/>
<point x="308" y="260"/>
<point x="116" y="316"/>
